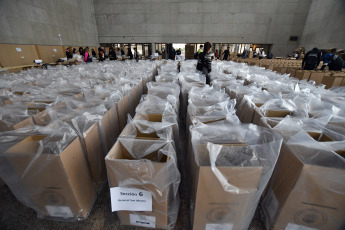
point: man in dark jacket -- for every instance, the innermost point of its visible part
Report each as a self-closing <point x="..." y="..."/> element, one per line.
<point x="205" y="62"/>
<point x="333" y="61"/>
<point x="226" y="54"/>
<point x="312" y="59"/>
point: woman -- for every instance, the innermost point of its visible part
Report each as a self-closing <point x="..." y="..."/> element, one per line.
<point x="205" y="62"/>
<point x="100" y="54"/>
<point x="87" y="57"/>
<point x="112" y="54"/>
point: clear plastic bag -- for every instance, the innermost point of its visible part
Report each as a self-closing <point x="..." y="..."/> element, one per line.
<point x="150" y="165"/>
<point x="230" y="168"/>
<point x="47" y="170"/>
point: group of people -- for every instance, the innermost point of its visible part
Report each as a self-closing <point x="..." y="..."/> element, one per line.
<point x="310" y="61"/>
<point x="313" y="58"/>
<point x="175" y="54"/>
<point x="86" y="56"/>
<point x="226" y="53"/>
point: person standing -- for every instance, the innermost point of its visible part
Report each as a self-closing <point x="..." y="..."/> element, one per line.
<point x="136" y="55"/>
<point x="179" y="52"/>
<point x="205" y="62"/>
<point x="93" y="53"/>
<point x="216" y="54"/>
<point x="69" y="54"/>
<point x="244" y="54"/>
<point x="312" y="59"/>
<point x="200" y="50"/>
<point x="130" y="54"/>
<point x="226" y="54"/>
<point x="81" y="51"/>
<point x="123" y="54"/>
<point x="112" y="54"/>
<point x="100" y="54"/>
<point x="333" y="61"/>
<point x="269" y="55"/>
<point x="87" y="57"/>
<point x="262" y="54"/>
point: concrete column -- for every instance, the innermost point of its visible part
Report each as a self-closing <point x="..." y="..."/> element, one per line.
<point x="153" y="48"/>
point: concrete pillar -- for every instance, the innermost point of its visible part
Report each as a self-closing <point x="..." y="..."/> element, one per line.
<point x="153" y="48"/>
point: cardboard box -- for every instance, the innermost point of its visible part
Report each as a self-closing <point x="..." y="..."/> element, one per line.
<point x="123" y="108"/>
<point x="271" y="118"/>
<point x="245" y="111"/>
<point x="131" y="131"/>
<point x="56" y="186"/>
<point x="305" y="194"/>
<point x="317" y="77"/>
<point x="291" y="71"/>
<point x="17" y="55"/>
<point x="122" y="166"/>
<point x="302" y="74"/>
<point x="211" y="204"/>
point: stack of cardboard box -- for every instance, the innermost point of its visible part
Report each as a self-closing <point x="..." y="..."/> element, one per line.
<point x="144" y="157"/>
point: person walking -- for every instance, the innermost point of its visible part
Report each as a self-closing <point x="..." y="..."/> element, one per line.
<point x="226" y="54"/>
<point x="205" y="62"/>
<point x="312" y="59"/>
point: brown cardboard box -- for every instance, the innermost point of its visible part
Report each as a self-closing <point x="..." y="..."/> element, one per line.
<point x="56" y="186"/>
<point x="270" y="119"/>
<point x="211" y="204"/>
<point x="317" y="77"/>
<point x="50" y="54"/>
<point x="121" y="166"/>
<point x="17" y="55"/>
<point x="302" y="74"/>
<point x="246" y="111"/>
<point x="123" y="108"/>
<point x="305" y="194"/>
<point x="291" y="71"/>
<point x="96" y="150"/>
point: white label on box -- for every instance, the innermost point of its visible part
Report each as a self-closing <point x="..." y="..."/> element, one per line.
<point x="54" y="50"/>
<point x="22" y="57"/>
<point x="291" y="226"/>
<point x="142" y="221"/>
<point x="130" y="199"/>
<point x="19" y="49"/>
<point x="59" y="211"/>
<point x="219" y="226"/>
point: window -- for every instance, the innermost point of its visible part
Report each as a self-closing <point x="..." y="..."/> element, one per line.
<point x="293" y="38"/>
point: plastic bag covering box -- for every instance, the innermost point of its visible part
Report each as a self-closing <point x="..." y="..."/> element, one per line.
<point x="231" y="167"/>
<point x="57" y="186"/>
<point x="308" y="184"/>
<point x="148" y="165"/>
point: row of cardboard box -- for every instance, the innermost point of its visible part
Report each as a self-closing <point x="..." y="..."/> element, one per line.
<point x="35" y="155"/>
<point x="308" y="154"/>
<point x="328" y="78"/>
<point x="144" y="159"/>
<point x="321" y="209"/>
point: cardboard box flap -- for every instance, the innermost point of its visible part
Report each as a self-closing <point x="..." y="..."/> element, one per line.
<point x="142" y="148"/>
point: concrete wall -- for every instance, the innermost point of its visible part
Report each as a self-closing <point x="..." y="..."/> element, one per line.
<point x="325" y="26"/>
<point x="48" y="22"/>
<point x="195" y="21"/>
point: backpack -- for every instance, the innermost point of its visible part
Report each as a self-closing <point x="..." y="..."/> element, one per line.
<point x="311" y="60"/>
